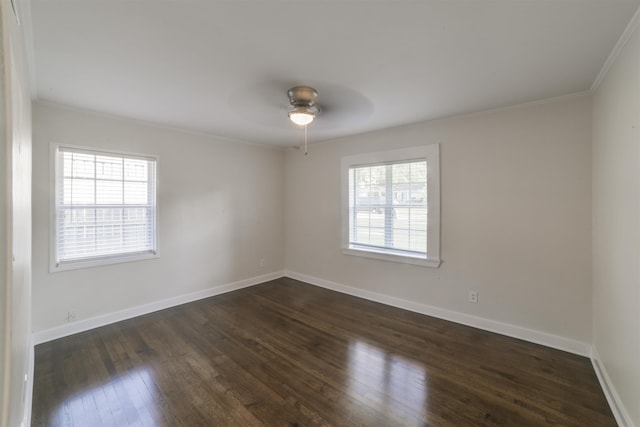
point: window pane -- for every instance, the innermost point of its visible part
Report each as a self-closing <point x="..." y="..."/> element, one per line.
<point x="82" y="166"/>
<point x="363" y="176"/>
<point x="401" y="218"/>
<point x="108" y="167"/>
<point x="78" y="235"/>
<point x="109" y="235"/>
<point x="67" y="164"/>
<point x="418" y="194"/>
<point x="135" y="233"/>
<point x="87" y="181"/>
<point x="362" y="235"/>
<point x="378" y="175"/>
<point x="108" y="192"/>
<point x="135" y="193"/>
<point x="400" y="239"/>
<point x="377" y="218"/>
<point x="418" y="241"/>
<point x="81" y="191"/>
<point x="389" y="219"/>
<point x="418" y="218"/>
<point x="363" y="218"/>
<point x="401" y="173"/>
<point x="135" y="170"/>
<point x="401" y="194"/>
<point x="377" y="236"/>
<point x="419" y="172"/>
<point x="363" y="195"/>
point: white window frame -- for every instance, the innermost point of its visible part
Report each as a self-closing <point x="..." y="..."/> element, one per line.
<point x="54" y="266"/>
<point x="431" y="153"/>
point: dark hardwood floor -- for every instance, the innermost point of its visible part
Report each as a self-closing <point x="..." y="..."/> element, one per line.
<point x="285" y="353"/>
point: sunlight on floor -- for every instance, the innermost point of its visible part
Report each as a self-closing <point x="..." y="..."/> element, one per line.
<point x="391" y="382"/>
<point x="129" y="400"/>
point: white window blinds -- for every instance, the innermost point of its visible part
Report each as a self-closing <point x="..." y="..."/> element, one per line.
<point x="391" y="205"/>
<point x="388" y="207"/>
<point x="105" y="205"/>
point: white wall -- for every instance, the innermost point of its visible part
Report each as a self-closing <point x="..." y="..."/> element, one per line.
<point x="516" y="217"/>
<point x="220" y="212"/>
<point x="15" y="223"/>
<point x="616" y="227"/>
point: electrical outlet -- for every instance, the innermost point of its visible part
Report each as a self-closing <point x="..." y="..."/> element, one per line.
<point x="473" y="297"/>
<point x="263" y="262"/>
<point x="72" y="316"/>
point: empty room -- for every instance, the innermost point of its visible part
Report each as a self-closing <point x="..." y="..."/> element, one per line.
<point x="329" y="213"/>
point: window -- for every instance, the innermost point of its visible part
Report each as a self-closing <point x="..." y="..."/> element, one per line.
<point x="105" y="208"/>
<point x="391" y="205"/>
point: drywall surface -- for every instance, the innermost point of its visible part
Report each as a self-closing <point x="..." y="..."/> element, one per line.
<point x="15" y="222"/>
<point x="515" y="217"/>
<point x="220" y="214"/>
<point x="616" y="226"/>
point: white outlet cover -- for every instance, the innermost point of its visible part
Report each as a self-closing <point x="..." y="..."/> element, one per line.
<point x="473" y="296"/>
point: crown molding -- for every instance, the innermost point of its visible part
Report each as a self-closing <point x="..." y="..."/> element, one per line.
<point x="622" y="41"/>
<point x="138" y="122"/>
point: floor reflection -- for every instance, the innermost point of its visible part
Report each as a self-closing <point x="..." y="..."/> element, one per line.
<point x="129" y="400"/>
<point x="393" y="383"/>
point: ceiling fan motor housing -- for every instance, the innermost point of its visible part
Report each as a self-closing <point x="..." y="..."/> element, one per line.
<point x="304" y="97"/>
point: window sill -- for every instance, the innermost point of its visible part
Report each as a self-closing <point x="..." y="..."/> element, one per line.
<point x="98" y="261"/>
<point x="385" y="256"/>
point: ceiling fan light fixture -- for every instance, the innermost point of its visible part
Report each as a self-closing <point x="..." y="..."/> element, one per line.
<point x="302" y="116"/>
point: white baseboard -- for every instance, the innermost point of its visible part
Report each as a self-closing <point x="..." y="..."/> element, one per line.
<point x="531" y="335"/>
<point x="619" y="411"/>
<point x="106" y="319"/>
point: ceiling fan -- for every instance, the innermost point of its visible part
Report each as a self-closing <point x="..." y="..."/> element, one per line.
<point x="326" y="107"/>
<point x="303" y="107"/>
<point x="303" y="104"/>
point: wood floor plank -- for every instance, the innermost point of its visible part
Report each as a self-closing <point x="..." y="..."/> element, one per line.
<point x="289" y="353"/>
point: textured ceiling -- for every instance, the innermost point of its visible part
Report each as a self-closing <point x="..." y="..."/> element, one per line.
<point x="223" y="67"/>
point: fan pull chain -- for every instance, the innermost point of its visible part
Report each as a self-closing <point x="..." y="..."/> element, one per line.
<point x="305" y="140"/>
